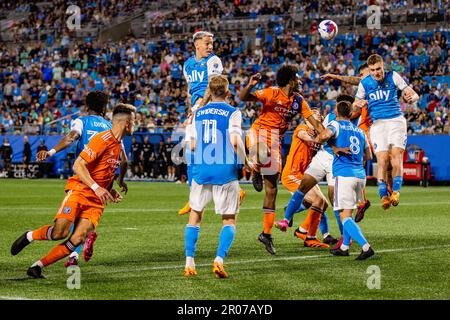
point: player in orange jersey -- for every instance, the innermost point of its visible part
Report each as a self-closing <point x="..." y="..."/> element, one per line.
<point x="87" y="193"/>
<point x="280" y="105"/>
<point x="300" y="155"/>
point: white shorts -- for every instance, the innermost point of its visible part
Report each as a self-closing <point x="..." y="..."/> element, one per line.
<point x="347" y="192"/>
<point x="225" y="197"/>
<point x="321" y="166"/>
<point x="385" y="133"/>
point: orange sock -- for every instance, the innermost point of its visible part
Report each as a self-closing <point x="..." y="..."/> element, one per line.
<point x="307" y="222"/>
<point x="269" y="219"/>
<point x="44" y="233"/>
<point x="316" y="215"/>
<point x="57" y="253"/>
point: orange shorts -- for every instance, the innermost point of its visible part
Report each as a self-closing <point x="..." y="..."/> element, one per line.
<point x="272" y="142"/>
<point x="80" y="205"/>
<point x="291" y="181"/>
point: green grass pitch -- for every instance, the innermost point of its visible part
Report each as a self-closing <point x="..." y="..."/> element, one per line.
<point x="139" y="253"/>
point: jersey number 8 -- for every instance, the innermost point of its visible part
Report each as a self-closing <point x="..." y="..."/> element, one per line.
<point x="354" y="145"/>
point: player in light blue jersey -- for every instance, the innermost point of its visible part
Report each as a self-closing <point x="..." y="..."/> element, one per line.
<point x="82" y="131"/>
<point x="197" y="71"/>
<point x="388" y="130"/>
<point x="217" y="146"/>
<point x="350" y="176"/>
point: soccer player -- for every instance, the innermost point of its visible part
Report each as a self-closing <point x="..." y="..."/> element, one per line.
<point x="350" y="176"/>
<point x="361" y="117"/>
<point x="216" y="143"/>
<point x="82" y="131"/>
<point x="88" y="192"/>
<point x="388" y="132"/>
<point x="198" y="70"/>
<point x="280" y="105"/>
<point x="300" y="155"/>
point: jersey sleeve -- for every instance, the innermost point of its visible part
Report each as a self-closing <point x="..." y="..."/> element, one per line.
<point x="214" y="66"/>
<point x="399" y="81"/>
<point x="263" y="95"/>
<point x="94" y="149"/>
<point x="306" y="110"/>
<point x="235" y="123"/>
<point x="361" y="93"/>
<point x="77" y="126"/>
<point x="334" y="127"/>
<point x="185" y="73"/>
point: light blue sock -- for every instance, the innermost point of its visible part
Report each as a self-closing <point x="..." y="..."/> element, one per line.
<point x="302" y="208"/>
<point x="354" y="231"/>
<point x="190" y="239"/>
<point x="382" y="188"/>
<point x="323" y="226"/>
<point x="226" y="238"/>
<point x="397" y="183"/>
<point x="347" y="238"/>
<point x="338" y="219"/>
<point x="294" y="205"/>
<point x="77" y="249"/>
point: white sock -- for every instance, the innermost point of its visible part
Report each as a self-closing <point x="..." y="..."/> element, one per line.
<point x="190" y="262"/>
<point x="344" y="247"/>
<point x="326" y="234"/>
<point x="74" y="255"/>
<point x="366" y="247"/>
<point x="38" y="263"/>
<point x="30" y="236"/>
<point x="219" y="260"/>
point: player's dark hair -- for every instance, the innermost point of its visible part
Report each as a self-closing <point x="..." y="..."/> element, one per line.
<point x="363" y="66"/>
<point x="123" y="108"/>
<point x="345" y="97"/>
<point x="344" y="109"/>
<point x="286" y="74"/>
<point x="96" y="101"/>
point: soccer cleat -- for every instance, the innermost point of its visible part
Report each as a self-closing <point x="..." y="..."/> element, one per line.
<point x="329" y="240"/>
<point x="385" y="202"/>
<point x="282" y="225"/>
<point x="20" y="243"/>
<point x="268" y="242"/>
<point x="257" y="181"/>
<point x="341" y="240"/>
<point x="241" y="197"/>
<point x="361" y="210"/>
<point x="186" y="209"/>
<point x="365" y="254"/>
<point x="395" y="198"/>
<point x="315" y="243"/>
<point x="299" y="234"/>
<point x="189" y="272"/>
<point x="88" y="249"/>
<point x="35" y="272"/>
<point x="219" y="271"/>
<point x="72" y="261"/>
<point x="339" y="252"/>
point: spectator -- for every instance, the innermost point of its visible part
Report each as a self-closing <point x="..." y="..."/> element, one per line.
<point x="26" y="156"/>
<point x="6" y="153"/>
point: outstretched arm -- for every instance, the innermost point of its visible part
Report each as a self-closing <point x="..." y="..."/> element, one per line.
<point x="346" y="79"/>
<point x="64" y="143"/>
<point x="245" y="94"/>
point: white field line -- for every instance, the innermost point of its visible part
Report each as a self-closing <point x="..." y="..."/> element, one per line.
<point x="15" y="298"/>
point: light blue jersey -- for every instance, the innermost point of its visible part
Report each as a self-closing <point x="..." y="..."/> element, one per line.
<point x="197" y="74"/>
<point x="347" y="135"/>
<point x="332" y="117"/>
<point x="87" y="127"/>
<point x="215" y="160"/>
<point x="382" y="96"/>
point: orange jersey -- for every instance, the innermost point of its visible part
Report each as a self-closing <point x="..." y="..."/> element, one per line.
<point x="278" y="109"/>
<point x="103" y="157"/>
<point x="364" y="120"/>
<point x="300" y="154"/>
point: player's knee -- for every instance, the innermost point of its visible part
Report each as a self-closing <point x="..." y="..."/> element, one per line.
<point x="59" y="233"/>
